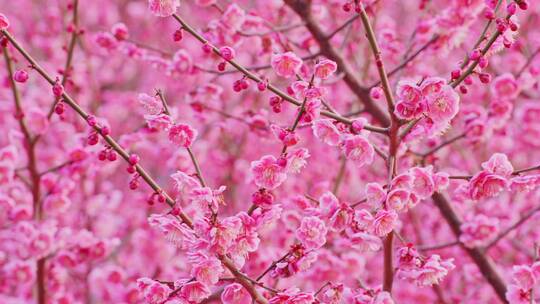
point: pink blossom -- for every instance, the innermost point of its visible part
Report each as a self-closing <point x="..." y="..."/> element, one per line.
<point x="499" y="164"/>
<point x="120" y="31"/>
<point x="161" y="122"/>
<point x="233" y="17"/>
<point x="433" y="271"/>
<point x="443" y="105"/>
<point x="410" y="103"/>
<point x="268" y="173"/>
<point x="194" y="292"/>
<point x="312" y="232"/>
<point x="235" y="294"/>
<point x="524" y="277"/>
<point x="325" y="68"/>
<point x="182" y="135"/>
<point x="22" y="272"/>
<point x="163" y="8"/>
<point x="151" y="104"/>
<point x="376" y="93"/>
<point x="207" y="270"/>
<point x="365" y="241"/>
<point x="485" y="184"/>
<point x="106" y="41"/>
<point x="4" y="22"/>
<point x="398" y="199"/>
<point x="441" y="181"/>
<point x="297" y="159"/>
<point x="384" y="222"/>
<point x="181" y="63"/>
<point x="505" y="86"/>
<point x="358" y="149"/>
<point x="423" y="185"/>
<point x="286" y="64"/>
<point x="516" y="295"/>
<point x="326" y="131"/>
<point x="153" y="292"/>
<point x="20" y="76"/>
<point x="375" y="194"/>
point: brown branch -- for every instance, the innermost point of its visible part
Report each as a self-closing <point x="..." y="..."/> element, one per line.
<point x="388" y="270"/>
<point x="443" y="144"/>
<point x="439" y="246"/>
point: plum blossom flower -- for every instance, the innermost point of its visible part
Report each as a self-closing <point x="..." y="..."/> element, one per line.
<point x="524" y="276"/>
<point x="233" y="17"/>
<point x="181" y="63"/>
<point x="206" y="269"/>
<point x="443" y="105"/>
<point x="358" y="149"/>
<point x="163" y="8"/>
<point x="182" y="135"/>
<point x="398" y="199"/>
<point x="235" y="294"/>
<point x="423" y="185"/>
<point x="194" y="292"/>
<point x="325" y="68"/>
<point x="432" y="271"/>
<point x="153" y="291"/>
<point x="286" y="64"/>
<point x="175" y="232"/>
<point x="161" y="122"/>
<point x="524" y="279"/>
<point x="499" y="164"/>
<point x="384" y="222"/>
<point x="516" y="295"/>
<point x="207" y="198"/>
<point x="268" y="173"/>
<point x="4" y="22"/>
<point x="326" y="131"/>
<point x="505" y="86"/>
<point x="297" y="159"/>
<point x="151" y="104"/>
<point x="375" y="194"/>
<point x="485" y="184"/>
<point x="365" y="242"/>
<point x="410" y="102"/>
<point x="312" y="232"/>
<point x="20" y="271"/>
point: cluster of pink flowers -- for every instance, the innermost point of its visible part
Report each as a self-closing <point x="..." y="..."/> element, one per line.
<point x="269" y="152"/>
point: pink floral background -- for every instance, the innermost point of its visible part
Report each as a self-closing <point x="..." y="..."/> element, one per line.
<point x="270" y="152"/>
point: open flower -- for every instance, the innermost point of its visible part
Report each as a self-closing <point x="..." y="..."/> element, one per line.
<point x="268" y="173"/>
<point x="182" y="135"/>
<point x="286" y="64"/>
<point x="163" y="8"/>
<point x="358" y="149"/>
<point x="312" y="232"/>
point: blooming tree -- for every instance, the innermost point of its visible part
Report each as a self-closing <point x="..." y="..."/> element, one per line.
<point x="270" y="152"/>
